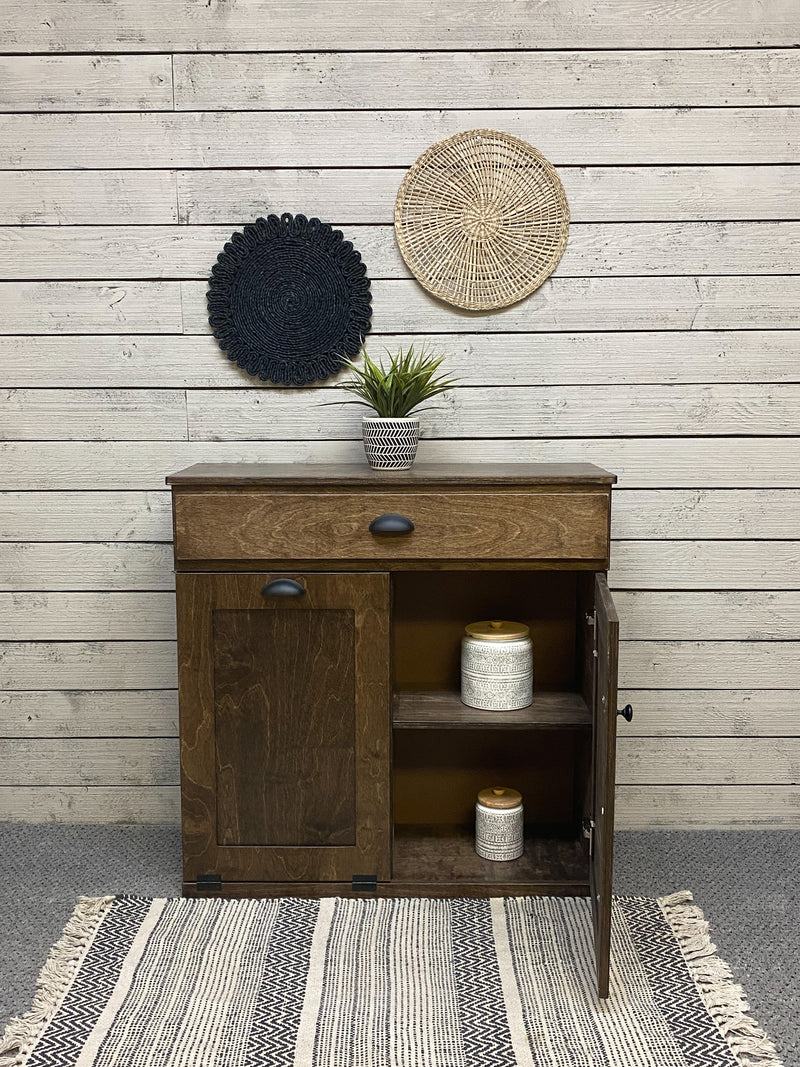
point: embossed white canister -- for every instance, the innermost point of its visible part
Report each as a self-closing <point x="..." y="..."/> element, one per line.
<point x="496" y="666"/>
<point x="499" y="824"/>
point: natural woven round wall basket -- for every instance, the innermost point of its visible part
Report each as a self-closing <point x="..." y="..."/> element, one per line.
<point x="481" y="219"/>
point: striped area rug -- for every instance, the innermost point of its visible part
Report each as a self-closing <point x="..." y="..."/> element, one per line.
<point x="383" y="983"/>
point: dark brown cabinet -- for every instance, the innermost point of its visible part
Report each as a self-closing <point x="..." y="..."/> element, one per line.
<point x="324" y="747"/>
<point x="284" y="732"/>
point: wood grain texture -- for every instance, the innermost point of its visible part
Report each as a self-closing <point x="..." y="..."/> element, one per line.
<point x="89" y="516"/>
<point x="674" y="129"/>
<point x="486" y="79"/>
<point x="726" y="513"/>
<point x="35" y="665"/>
<point x="89" y="713"/>
<point x="700" y="807"/>
<point x="366" y="195"/>
<point x="120" y="761"/>
<point x="240" y="727"/>
<point x="256" y="25"/>
<point x="718" y="303"/>
<point x="261" y="525"/>
<point x="442" y="853"/>
<point x="601" y="811"/>
<point x="87" y="616"/>
<point x="705" y="565"/>
<point x="567" y="136"/>
<point x="524" y="411"/>
<point x="678" y="615"/>
<point x="712" y="761"/>
<point x="594" y="250"/>
<point x="68" y="197"/>
<point x="86" y="83"/>
<point x="430" y="609"/>
<point x="363" y="822"/>
<point x="90" y="307"/>
<point x="341" y="477"/>
<point x="568" y="304"/>
<point x="726" y="615"/>
<point x="437" y="776"/>
<point x="84" y="804"/>
<point x="117" y="761"/>
<point x="429" y="710"/>
<point x="31" y="566"/>
<point x="112" y="414"/>
<point x="707" y="807"/>
<point x="640" y="462"/>
<point x="560" y="359"/>
<point x="663" y="664"/>
<point x="729" y="514"/>
<point x="709" y="664"/>
<point x="691" y="713"/>
<point x="284" y="713"/>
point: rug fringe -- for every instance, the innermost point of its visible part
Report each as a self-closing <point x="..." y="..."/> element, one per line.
<point x="55" y="979"/>
<point x="724" y="999"/>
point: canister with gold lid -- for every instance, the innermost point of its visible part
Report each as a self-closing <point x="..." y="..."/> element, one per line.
<point x="497" y="665"/>
<point x="499" y="824"/>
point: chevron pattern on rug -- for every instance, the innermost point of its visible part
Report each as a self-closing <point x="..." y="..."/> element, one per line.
<point x="383" y="983"/>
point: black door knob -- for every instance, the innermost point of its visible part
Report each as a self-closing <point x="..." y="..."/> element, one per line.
<point x="626" y="712"/>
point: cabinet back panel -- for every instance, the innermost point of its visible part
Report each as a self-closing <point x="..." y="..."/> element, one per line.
<point x="431" y="609"/>
<point x="285" y="727"/>
<point x="438" y="773"/>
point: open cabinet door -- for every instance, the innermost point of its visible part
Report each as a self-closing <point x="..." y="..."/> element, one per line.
<point x="606" y="635"/>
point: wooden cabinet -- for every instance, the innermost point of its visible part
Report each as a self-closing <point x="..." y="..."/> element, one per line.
<point x="324" y="747"/>
<point x="284" y="734"/>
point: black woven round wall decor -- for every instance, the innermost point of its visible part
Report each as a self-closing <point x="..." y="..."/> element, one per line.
<point x="287" y="298"/>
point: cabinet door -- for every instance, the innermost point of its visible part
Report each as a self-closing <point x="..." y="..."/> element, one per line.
<point x="285" y="726"/>
<point x="606" y="629"/>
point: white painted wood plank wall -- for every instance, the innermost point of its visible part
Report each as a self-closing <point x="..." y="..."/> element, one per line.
<point x="135" y="135"/>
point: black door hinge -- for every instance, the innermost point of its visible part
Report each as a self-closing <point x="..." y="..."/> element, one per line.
<point x="209" y="883"/>
<point x="365" y="883"/>
<point x="588" y="833"/>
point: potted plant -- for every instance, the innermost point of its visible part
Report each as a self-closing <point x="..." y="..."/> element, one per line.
<point x="393" y="392"/>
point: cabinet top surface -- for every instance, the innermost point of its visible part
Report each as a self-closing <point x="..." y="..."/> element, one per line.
<point x="355" y="474"/>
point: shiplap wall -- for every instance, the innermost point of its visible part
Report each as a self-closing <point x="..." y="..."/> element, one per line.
<point x="137" y="134"/>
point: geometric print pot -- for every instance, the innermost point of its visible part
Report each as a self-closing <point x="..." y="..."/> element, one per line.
<point x="390" y="444"/>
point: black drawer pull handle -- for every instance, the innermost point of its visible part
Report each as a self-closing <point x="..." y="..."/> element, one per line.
<point x="626" y="713"/>
<point x="283" y="587"/>
<point x="391" y="523"/>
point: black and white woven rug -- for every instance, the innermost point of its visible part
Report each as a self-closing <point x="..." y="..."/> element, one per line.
<point x="509" y="982"/>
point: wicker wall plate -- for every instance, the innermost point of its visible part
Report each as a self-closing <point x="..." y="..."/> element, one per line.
<point x="481" y="219"/>
<point x="287" y="298"/>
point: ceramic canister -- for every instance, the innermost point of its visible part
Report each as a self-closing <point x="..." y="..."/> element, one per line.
<point x="496" y="666"/>
<point x="499" y="824"/>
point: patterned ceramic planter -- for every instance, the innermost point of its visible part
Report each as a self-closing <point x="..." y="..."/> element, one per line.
<point x="390" y="444"/>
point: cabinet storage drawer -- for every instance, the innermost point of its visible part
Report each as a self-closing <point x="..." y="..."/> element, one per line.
<point x="512" y="525"/>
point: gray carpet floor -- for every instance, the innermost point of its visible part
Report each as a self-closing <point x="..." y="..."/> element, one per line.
<point x="748" y="884"/>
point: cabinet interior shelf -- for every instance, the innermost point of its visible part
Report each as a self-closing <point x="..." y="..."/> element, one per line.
<point x="434" y="710"/>
<point x="446" y="853"/>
